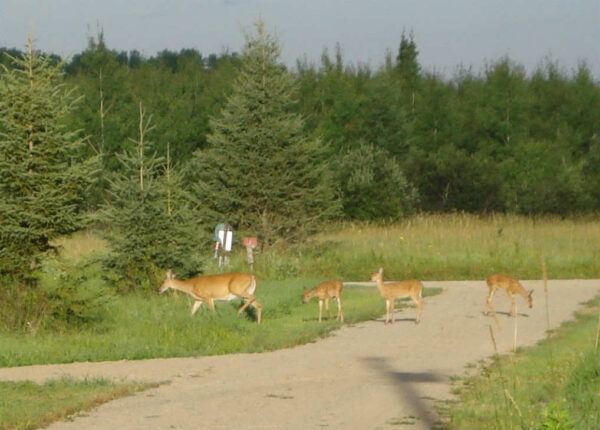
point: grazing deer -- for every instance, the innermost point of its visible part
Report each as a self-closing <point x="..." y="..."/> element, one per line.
<point x="325" y="291"/>
<point x="512" y="286"/>
<point x="394" y="290"/>
<point x="208" y="288"/>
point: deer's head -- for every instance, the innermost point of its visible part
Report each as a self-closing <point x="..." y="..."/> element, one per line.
<point x="308" y="294"/>
<point x="529" y="299"/>
<point x="377" y="276"/>
<point x="166" y="284"/>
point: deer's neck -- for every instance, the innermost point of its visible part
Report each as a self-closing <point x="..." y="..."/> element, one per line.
<point x="521" y="291"/>
<point x="179" y="285"/>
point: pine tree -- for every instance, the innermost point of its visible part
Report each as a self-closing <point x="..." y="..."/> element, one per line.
<point x="408" y="68"/>
<point x="43" y="178"/>
<point x="262" y="174"/>
<point x="152" y="226"/>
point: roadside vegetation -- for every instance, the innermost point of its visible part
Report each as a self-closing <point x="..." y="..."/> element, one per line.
<point x="27" y="405"/>
<point x="552" y="386"/>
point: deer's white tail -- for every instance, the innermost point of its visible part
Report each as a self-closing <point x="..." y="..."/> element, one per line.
<point x="252" y="285"/>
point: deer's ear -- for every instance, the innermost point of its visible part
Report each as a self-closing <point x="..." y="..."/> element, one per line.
<point x="381" y="270"/>
<point x="170" y="274"/>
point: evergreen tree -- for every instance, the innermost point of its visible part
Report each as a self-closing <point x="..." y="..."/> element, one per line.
<point x="373" y="185"/>
<point x="261" y="173"/>
<point x="43" y="178"/>
<point x="408" y="69"/>
<point x="151" y="225"/>
<point x="406" y="61"/>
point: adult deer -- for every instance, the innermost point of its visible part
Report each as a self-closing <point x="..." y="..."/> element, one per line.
<point x="208" y="288"/>
<point x="325" y="291"/>
<point x="395" y="290"/>
<point x="512" y="286"/>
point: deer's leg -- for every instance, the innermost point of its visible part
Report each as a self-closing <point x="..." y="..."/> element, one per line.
<point x="211" y="304"/>
<point x="320" y="309"/>
<point x="419" y="303"/>
<point x="392" y="308"/>
<point x="197" y="304"/>
<point x="513" y="305"/>
<point x="258" y="308"/>
<point x="327" y="308"/>
<point x="387" y="310"/>
<point x="340" y="314"/>
<point x="250" y="299"/>
<point x="490" y="307"/>
<point x="488" y="302"/>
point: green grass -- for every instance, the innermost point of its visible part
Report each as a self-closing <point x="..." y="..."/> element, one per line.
<point x="148" y="326"/>
<point x="27" y="405"/>
<point x="554" y="385"/>
<point x="446" y="247"/>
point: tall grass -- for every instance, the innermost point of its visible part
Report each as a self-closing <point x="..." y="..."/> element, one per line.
<point x="554" y="385"/>
<point x="447" y="247"/>
<point x="427" y="247"/>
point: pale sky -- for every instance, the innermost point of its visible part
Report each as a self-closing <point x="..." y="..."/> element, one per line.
<point x="447" y="33"/>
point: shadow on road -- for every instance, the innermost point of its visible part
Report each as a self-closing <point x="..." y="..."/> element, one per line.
<point x="407" y="385"/>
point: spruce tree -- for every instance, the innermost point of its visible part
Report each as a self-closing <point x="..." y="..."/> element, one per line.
<point x="43" y="178"/>
<point x="262" y="173"/>
<point x="152" y="227"/>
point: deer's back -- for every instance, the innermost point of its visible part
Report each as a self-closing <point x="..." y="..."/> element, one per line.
<point x="333" y="288"/>
<point x="326" y="290"/>
<point x="402" y="288"/>
<point x="505" y="282"/>
<point x="222" y="285"/>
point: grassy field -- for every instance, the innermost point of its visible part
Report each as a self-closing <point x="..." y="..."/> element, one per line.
<point x="26" y="405"/>
<point x="148" y="326"/>
<point x="444" y="247"/>
<point x="554" y="386"/>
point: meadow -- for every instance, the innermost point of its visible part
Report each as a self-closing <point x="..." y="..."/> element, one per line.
<point x="447" y="247"/>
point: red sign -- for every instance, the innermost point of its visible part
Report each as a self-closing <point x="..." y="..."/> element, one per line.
<point x="250" y="241"/>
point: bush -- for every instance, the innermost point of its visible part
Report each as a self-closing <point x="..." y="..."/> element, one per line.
<point x="75" y="295"/>
<point x="22" y="304"/>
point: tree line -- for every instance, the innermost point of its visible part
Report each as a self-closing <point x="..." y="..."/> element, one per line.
<point x="399" y="138"/>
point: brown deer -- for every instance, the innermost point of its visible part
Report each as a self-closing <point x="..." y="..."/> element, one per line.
<point x="395" y="290"/>
<point x="325" y="291"/>
<point x="208" y="288"/>
<point x="512" y="286"/>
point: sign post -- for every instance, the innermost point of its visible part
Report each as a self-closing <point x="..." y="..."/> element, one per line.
<point x="223" y="242"/>
<point x="250" y="243"/>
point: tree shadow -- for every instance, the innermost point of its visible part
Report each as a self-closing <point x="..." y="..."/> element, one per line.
<point x="406" y="383"/>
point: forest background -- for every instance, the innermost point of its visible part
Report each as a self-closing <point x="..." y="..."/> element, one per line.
<point x="154" y="152"/>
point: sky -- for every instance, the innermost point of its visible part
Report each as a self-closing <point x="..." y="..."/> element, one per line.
<point x="449" y="34"/>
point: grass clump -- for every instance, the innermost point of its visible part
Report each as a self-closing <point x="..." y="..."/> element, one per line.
<point x="27" y="405"/>
<point x="553" y="385"/>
